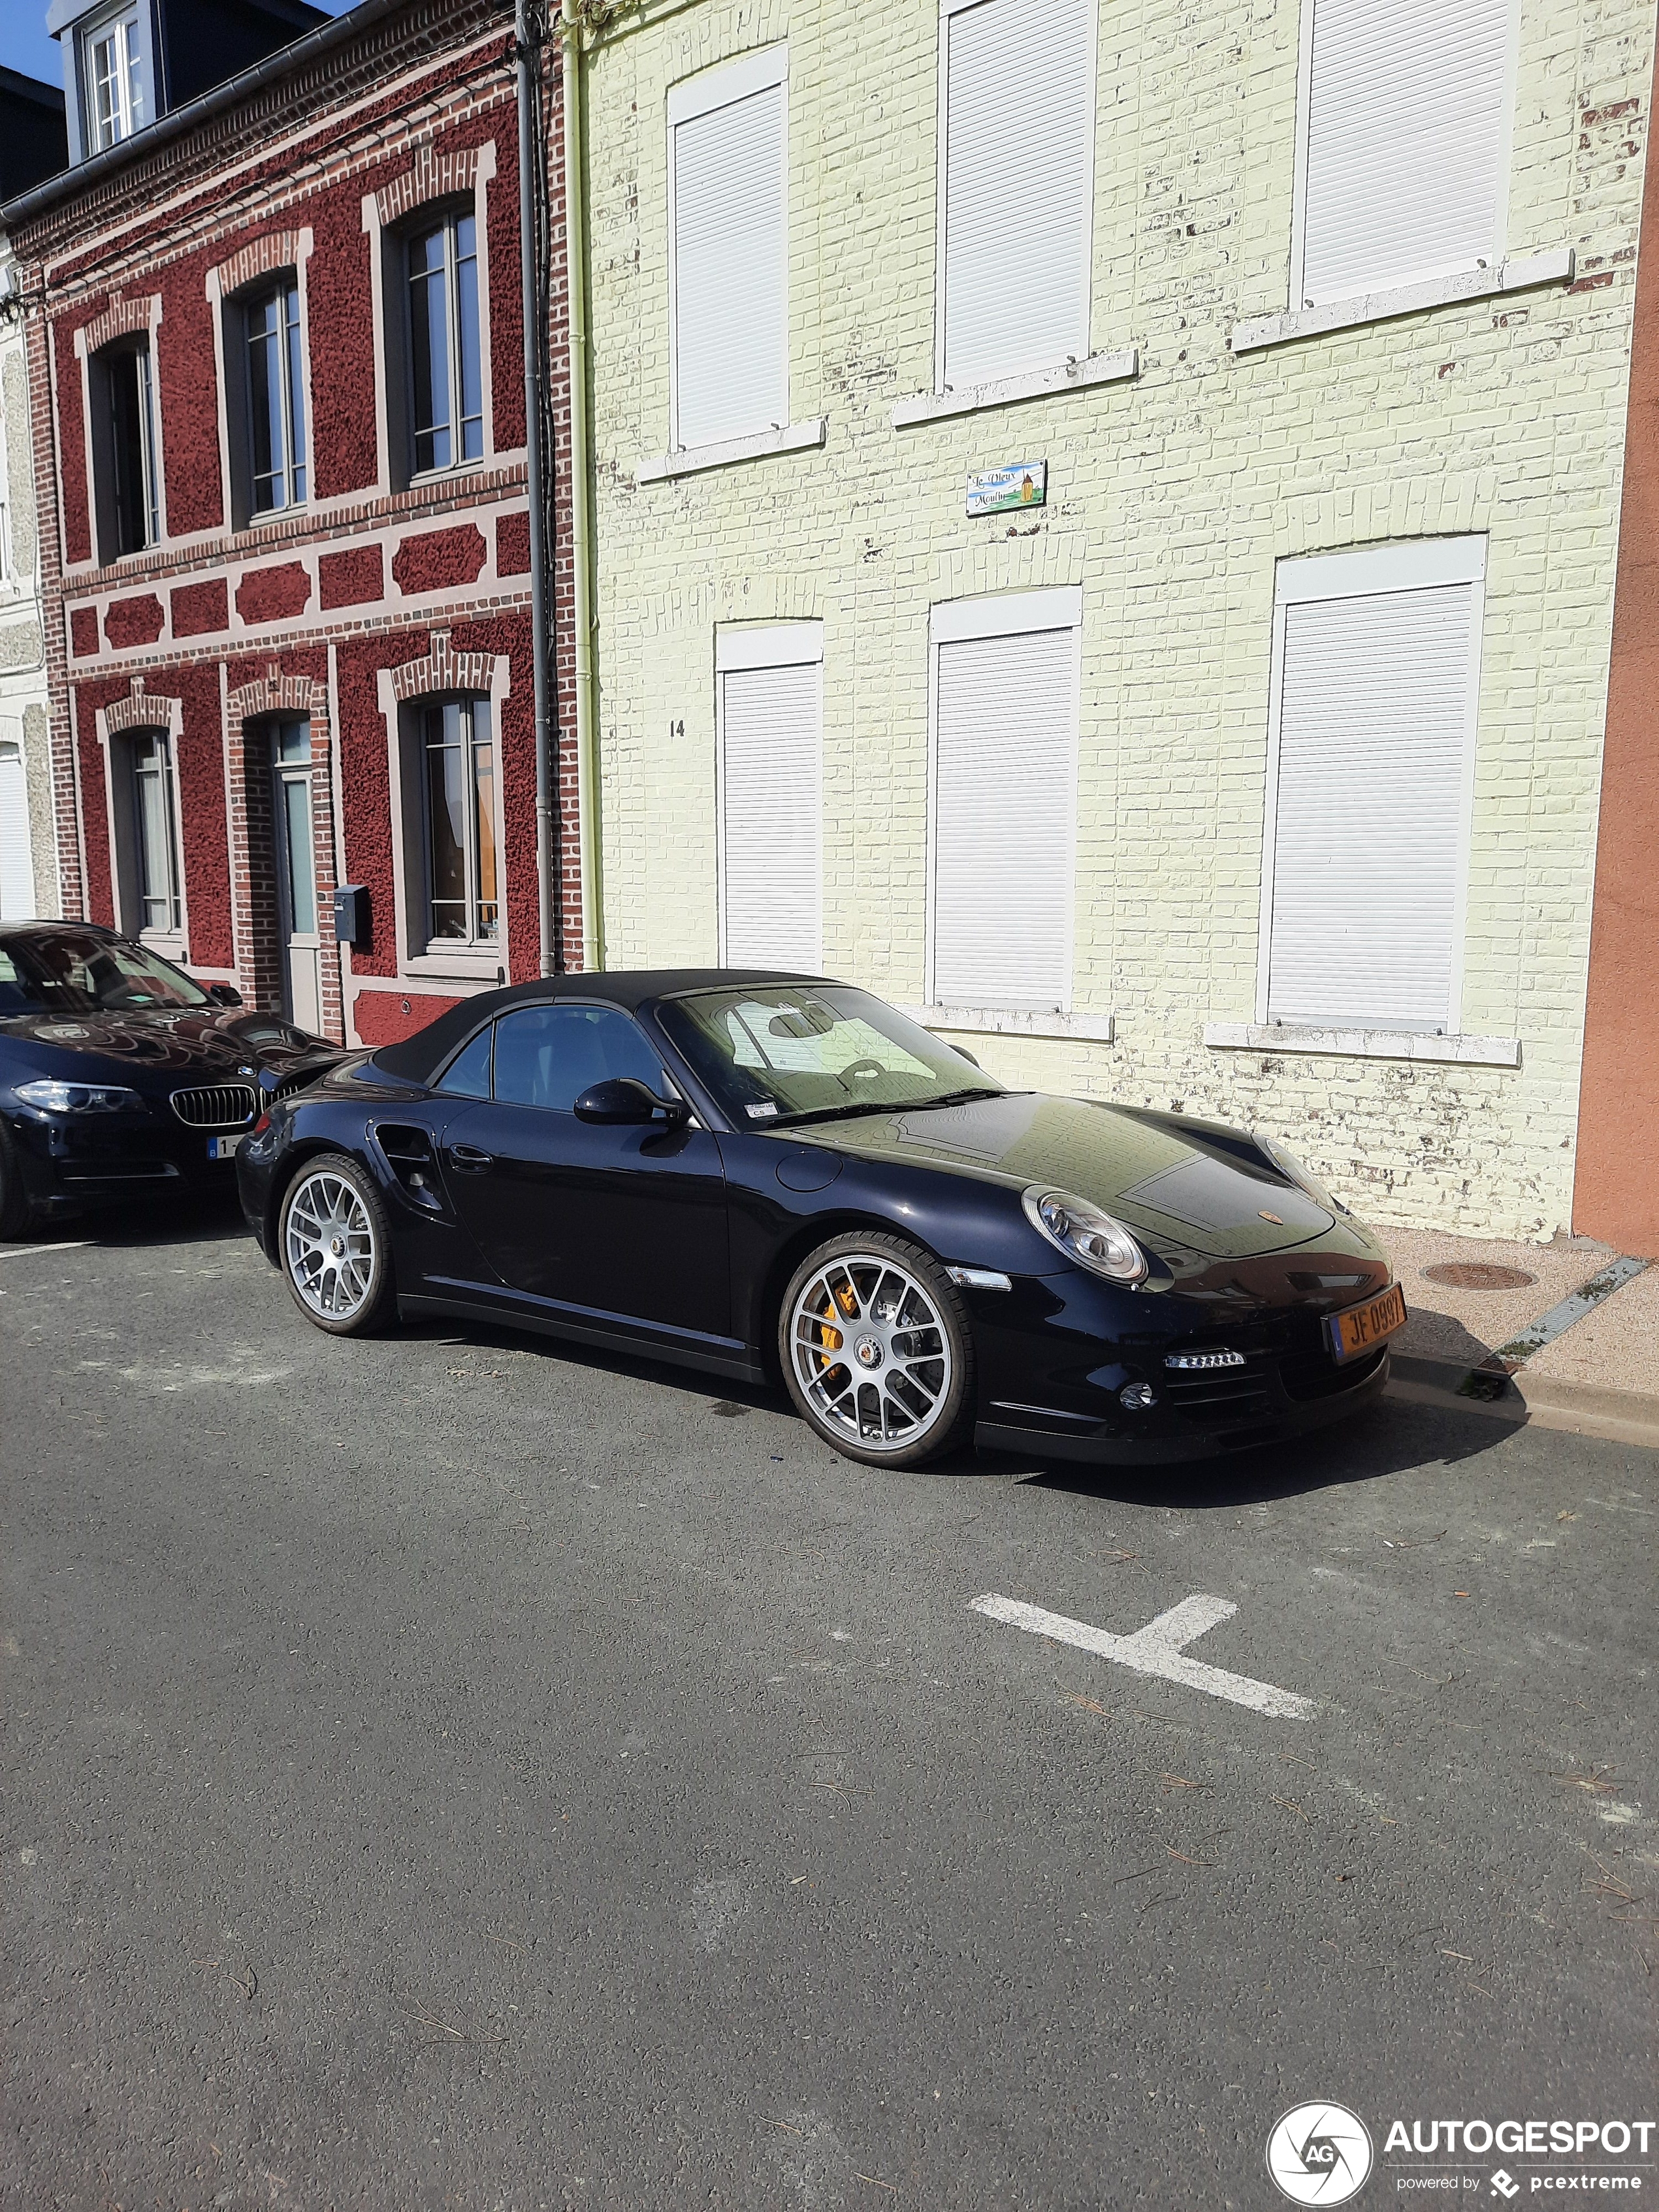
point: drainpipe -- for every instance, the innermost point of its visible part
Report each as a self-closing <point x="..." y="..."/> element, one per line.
<point x="581" y="528"/>
<point x="526" y="55"/>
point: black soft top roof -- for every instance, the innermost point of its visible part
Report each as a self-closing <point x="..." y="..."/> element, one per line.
<point x="418" y="1058"/>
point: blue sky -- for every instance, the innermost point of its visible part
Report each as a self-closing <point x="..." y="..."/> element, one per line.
<point x="24" y="44"/>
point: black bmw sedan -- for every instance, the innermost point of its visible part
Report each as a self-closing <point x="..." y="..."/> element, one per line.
<point x="762" y="1175"/>
<point x="122" y="1077"/>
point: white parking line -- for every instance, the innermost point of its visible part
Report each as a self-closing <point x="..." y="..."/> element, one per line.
<point x="26" y="1251"/>
<point x="1158" y="1649"/>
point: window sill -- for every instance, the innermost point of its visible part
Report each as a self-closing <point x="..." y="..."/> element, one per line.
<point x="797" y="438"/>
<point x="1012" y="1021"/>
<point x="460" y="966"/>
<point x="1120" y="367"/>
<point x="1364" y="1044"/>
<point x="1527" y="272"/>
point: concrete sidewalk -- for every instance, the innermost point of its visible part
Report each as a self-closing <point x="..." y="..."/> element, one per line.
<point x="1599" y="1377"/>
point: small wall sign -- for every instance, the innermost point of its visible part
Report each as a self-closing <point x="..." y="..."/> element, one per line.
<point x="997" y="491"/>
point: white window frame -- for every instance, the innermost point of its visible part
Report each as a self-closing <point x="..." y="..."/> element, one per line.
<point x="472" y="945"/>
<point x="1005" y="614"/>
<point x="125" y="25"/>
<point x="768" y="645"/>
<point x="722" y="86"/>
<point x="280" y="285"/>
<point x="1416" y="565"/>
<point x="445" y="216"/>
<point x="1494" y="261"/>
<point x="941" y="140"/>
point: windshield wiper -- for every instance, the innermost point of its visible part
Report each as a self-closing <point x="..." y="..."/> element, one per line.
<point x="883" y="1106"/>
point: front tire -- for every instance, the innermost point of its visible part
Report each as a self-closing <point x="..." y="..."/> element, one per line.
<point x="878" y="1351"/>
<point x="334" y="1244"/>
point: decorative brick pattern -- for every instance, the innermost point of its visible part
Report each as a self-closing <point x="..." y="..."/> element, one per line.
<point x="199" y="609"/>
<point x="277" y="249"/>
<point x="119" y="320"/>
<point x="134" y="622"/>
<point x="438" y="559"/>
<point x="432" y="177"/>
<point x="442" y="669"/>
<point x="83" y="631"/>
<point x="353" y="579"/>
<point x="266" y="595"/>
<point x="140" y="710"/>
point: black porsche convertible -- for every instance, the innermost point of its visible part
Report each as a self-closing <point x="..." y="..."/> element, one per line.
<point x="121" y="1077"/>
<point x="762" y="1175"/>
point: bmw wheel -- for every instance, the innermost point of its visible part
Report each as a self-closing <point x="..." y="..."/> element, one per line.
<point x="877" y="1349"/>
<point x="335" y="1248"/>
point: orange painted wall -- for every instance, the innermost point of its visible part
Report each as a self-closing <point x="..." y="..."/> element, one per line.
<point x="1616" y="1190"/>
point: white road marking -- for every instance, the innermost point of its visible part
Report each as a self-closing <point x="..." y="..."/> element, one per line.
<point x="30" y="1251"/>
<point x="1158" y="1649"/>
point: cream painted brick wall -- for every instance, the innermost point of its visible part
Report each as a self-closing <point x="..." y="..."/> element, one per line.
<point x="1171" y="499"/>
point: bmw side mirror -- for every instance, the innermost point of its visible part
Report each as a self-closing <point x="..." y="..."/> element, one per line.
<point x="224" y="994"/>
<point x="623" y="1102"/>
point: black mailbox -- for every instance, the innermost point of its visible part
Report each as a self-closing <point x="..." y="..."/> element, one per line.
<point x="351" y="914"/>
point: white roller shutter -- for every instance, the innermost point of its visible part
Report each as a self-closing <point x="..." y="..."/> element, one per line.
<point x="1376" y="730"/>
<point x="1406" y="131"/>
<point x="1003" y="807"/>
<point x="771" y="776"/>
<point x="729" y="269"/>
<point x="1019" y="128"/>
<point x="16" y="873"/>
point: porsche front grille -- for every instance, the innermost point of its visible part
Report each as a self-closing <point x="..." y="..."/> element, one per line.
<point x="215" y="1106"/>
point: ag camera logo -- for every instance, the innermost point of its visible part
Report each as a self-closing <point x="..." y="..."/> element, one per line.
<point x="1320" y="2155"/>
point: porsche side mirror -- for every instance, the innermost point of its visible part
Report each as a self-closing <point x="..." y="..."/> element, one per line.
<point x="962" y="1051"/>
<point x="623" y="1102"/>
<point x="224" y="994"/>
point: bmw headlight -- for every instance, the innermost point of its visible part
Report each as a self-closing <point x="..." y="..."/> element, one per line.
<point x="55" y="1097"/>
<point x="1087" y="1234"/>
<point x="1293" y="1172"/>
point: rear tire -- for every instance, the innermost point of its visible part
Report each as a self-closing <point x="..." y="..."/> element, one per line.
<point x="17" y="1215"/>
<point x="905" y="1392"/>
<point x="334" y="1246"/>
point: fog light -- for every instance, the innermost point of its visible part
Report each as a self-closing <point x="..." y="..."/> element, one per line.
<point x="1137" y="1396"/>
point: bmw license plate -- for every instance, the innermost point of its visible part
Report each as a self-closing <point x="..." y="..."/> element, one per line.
<point x="221" y="1148"/>
<point x="1361" y="1328"/>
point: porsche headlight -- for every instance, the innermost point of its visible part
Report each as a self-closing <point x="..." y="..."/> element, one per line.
<point x="1087" y="1234"/>
<point x="1292" y="1168"/>
<point x="55" y="1097"/>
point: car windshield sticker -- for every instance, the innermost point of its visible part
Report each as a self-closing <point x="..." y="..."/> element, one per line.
<point x="762" y="1112"/>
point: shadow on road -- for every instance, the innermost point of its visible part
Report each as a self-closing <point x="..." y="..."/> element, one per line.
<point x="187" y="1218"/>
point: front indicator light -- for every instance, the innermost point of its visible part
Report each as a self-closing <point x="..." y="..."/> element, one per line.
<point x="1087" y="1234"/>
<point x="52" y="1096"/>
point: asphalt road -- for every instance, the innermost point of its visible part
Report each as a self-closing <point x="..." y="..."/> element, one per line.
<point x="450" y="1771"/>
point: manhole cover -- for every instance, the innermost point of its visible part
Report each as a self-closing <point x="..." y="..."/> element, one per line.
<point x="1478" y="1275"/>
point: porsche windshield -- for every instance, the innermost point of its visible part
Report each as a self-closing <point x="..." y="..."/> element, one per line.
<point x="773" y="1053"/>
<point x="70" y="971"/>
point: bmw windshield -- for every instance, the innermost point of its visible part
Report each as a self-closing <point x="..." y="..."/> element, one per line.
<point x="71" y="971"/>
<point x="778" y="1054"/>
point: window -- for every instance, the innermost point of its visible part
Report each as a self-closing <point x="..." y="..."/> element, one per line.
<point x="458" y="746"/>
<point x="728" y="193"/>
<point x="1004" y="788"/>
<point x="1406" y="122"/>
<point x="771" y="753"/>
<point x="549" y="1055"/>
<point x="276" y="399"/>
<point x="155" y="843"/>
<point x="467" y="1075"/>
<point x="1377" y="667"/>
<point x="16" y="867"/>
<point x="446" y="368"/>
<point x="124" y="409"/>
<point x="1018" y="127"/>
<point x="112" y="80"/>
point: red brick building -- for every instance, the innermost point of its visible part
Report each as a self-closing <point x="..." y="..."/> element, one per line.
<point x="279" y="393"/>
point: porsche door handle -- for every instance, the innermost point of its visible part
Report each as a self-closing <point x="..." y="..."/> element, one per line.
<point x="470" y="1160"/>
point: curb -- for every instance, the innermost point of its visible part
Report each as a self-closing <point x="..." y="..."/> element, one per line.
<point x="1585" y="1409"/>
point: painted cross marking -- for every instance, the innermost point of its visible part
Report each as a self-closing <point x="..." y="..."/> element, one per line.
<point x="1158" y="1649"/>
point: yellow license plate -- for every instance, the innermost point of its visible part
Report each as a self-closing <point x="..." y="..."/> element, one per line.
<point x="1361" y="1328"/>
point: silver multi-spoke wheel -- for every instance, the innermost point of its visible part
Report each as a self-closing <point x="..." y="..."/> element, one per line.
<point x="330" y="1244"/>
<point x="871" y="1352"/>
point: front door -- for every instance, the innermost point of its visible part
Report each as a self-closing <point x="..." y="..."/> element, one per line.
<point x="296" y="876"/>
<point x="608" y="1225"/>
